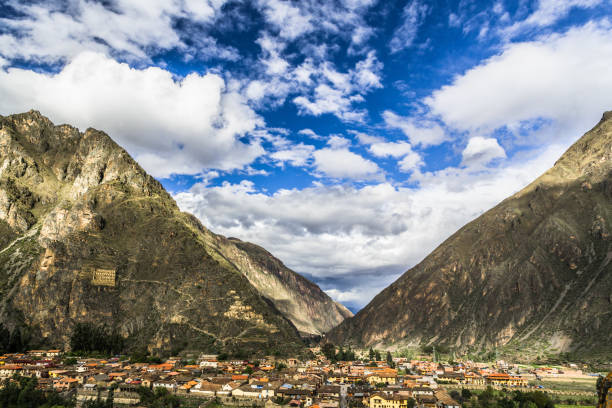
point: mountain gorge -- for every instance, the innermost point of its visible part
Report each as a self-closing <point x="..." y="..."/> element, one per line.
<point x="532" y="275"/>
<point x="86" y="236"/>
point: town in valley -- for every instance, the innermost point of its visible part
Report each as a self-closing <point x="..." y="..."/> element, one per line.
<point x="329" y="377"/>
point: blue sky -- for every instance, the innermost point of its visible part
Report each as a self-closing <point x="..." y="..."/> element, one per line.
<point x="347" y="137"/>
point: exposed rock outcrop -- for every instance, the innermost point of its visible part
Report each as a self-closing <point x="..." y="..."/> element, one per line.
<point x="87" y="236"/>
<point x="532" y="274"/>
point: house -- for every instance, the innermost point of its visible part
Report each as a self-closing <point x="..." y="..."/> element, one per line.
<point x="246" y="391"/>
<point x="505" y="380"/>
<point x="227" y="388"/>
<point x="426" y="401"/>
<point x="65" y="383"/>
<point x="170" y="385"/>
<point x="422" y="391"/>
<point x="451" y="378"/>
<point x="8" y="370"/>
<point x="206" y="389"/>
<point x="329" y="391"/>
<point x="45" y="384"/>
<point x="209" y="364"/>
<point x="385" y="377"/>
<point x="381" y="400"/>
<point x="445" y="400"/>
<point x="473" y="379"/>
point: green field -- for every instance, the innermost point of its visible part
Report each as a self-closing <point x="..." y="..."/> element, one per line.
<point x="568" y="384"/>
<point x="573" y="406"/>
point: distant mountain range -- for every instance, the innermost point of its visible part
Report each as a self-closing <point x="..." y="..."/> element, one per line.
<point x="86" y="236"/>
<point x="531" y="276"/>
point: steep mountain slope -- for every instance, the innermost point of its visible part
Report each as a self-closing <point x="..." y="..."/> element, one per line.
<point x="87" y="236"/>
<point x="301" y="301"/>
<point x="534" y="273"/>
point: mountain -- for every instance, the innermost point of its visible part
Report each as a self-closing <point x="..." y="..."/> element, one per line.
<point x="530" y="276"/>
<point x="86" y="236"/>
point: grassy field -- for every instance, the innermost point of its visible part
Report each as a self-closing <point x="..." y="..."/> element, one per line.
<point x="573" y="406"/>
<point x="568" y="384"/>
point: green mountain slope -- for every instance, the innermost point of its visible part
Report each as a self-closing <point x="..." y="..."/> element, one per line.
<point x="533" y="274"/>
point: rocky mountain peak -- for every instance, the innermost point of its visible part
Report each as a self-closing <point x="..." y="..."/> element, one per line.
<point x="87" y="236"/>
<point x="533" y="273"/>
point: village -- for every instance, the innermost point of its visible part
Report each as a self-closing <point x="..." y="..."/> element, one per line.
<point x="318" y="382"/>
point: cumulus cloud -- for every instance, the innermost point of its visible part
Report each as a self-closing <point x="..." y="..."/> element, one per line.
<point x="390" y="149"/>
<point x="337" y="92"/>
<point x="171" y="126"/>
<point x="561" y="78"/>
<point x="342" y="163"/>
<point x="426" y="133"/>
<point x="481" y="151"/>
<point x="338" y="234"/>
<point x="48" y="31"/>
<point x="290" y="21"/>
<point x="546" y="13"/>
<point x="410" y="160"/>
<point x="297" y="155"/>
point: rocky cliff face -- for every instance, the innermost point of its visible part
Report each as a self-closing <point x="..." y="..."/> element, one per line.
<point x="533" y="274"/>
<point x="87" y="236"/>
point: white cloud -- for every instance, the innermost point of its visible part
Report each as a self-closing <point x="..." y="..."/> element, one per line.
<point x="311" y="134"/>
<point x="171" y="126"/>
<point x="342" y="163"/>
<point x="340" y="233"/>
<point x="365" y="138"/>
<point x="338" y="142"/>
<point x="424" y="134"/>
<point x="330" y="100"/>
<point x="297" y="155"/>
<point x="454" y="20"/>
<point x="390" y="149"/>
<point x="290" y="21"/>
<point x="413" y="15"/>
<point x="131" y="28"/>
<point x="412" y="161"/>
<point x="481" y="151"/>
<point x="367" y="72"/>
<point x="563" y="78"/>
<point x="547" y="13"/>
<point x="337" y="92"/>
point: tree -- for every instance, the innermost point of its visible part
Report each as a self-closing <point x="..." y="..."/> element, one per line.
<point x="377" y="355"/>
<point x="329" y="351"/>
<point x="70" y="361"/>
<point x="455" y="395"/>
<point x="87" y="338"/>
<point x="427" y="349"/>
<point x="372" y="355"/>
<point x="350" y="354"/>
<point x="410" y="403"/>
<point x="466" y="394"/>
<point x="390" y="362"/>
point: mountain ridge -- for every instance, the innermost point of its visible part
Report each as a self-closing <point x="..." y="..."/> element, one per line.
<point x="89" y="237"/>
<point x="516" y="276"/>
